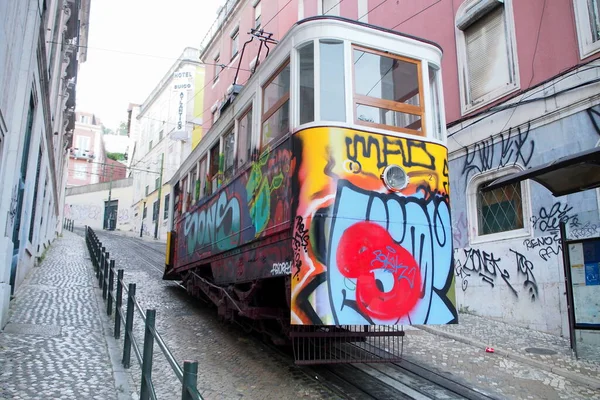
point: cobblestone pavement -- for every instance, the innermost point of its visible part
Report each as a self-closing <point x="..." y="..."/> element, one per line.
<point x="54" y="345"/>
<point x="241" y="367"/>
<point x="513" y="341"/>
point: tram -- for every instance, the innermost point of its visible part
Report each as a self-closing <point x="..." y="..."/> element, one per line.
<point x="316" y="209"/>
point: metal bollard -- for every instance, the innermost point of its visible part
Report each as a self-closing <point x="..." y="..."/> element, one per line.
<point x="111" y="283"/>
<point x="101" y="259"/>
<point x="128" y="326"/>
<point x="104" y="276"/>
<point x="118" y="302"/>
<point x="190" y="379"/>
<point x="147" y="358"/>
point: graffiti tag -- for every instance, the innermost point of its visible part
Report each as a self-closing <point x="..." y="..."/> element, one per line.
<point x="489" y="154"/>
<point x="413" y="153"/>
<point x="550" y="220"/>
<point x="217" y="225"/>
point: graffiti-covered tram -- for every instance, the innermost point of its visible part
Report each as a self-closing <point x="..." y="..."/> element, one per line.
<point x="317" y="205"/>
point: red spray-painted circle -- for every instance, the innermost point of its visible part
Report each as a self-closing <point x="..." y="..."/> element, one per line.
<point x="367" y="248"/>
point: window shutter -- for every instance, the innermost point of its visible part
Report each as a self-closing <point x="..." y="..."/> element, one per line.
<point x="487" y="58"/>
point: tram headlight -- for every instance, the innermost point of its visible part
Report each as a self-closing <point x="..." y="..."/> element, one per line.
<point x="394" y="177"/>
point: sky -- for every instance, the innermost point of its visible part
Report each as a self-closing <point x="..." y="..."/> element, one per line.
<point x="131" y="46"/>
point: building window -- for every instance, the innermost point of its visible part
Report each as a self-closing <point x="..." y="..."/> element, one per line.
<point x="150" y="146"/>
<point x="276" y="106"/>
<point x="330" y="7"/>
<point x="587" y="18"/>
<point x="166" y="211"/>
<point x="499" y="210"/>
<point x="228" y="155"/>
<point x="217" y="71"/>
<point x="497" y="214"/>
<point x="83" y="143"/>
<point x="147" y="189"/>
<point x="387" y="91"/>
<point x="156" y="183"/>
<point x="257" y="15"/>
<point x="155" y="210"/>
<point x="35" y="197"/>
<point x="160" y="134"/>
<point x="235" y="39"/>
<point x="486" y="48"/>
<point x="244" y="150"/>
<point x="80" y="170"/>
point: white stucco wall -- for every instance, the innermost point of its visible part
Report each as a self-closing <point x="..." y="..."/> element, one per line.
<point x="85" y="204"/>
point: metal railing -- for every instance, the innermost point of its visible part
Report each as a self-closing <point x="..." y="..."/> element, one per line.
<point x="105" y="270"/>
<point x="68" y="224"/>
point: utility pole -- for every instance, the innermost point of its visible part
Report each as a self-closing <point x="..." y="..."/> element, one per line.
<point x="162" y="159"/>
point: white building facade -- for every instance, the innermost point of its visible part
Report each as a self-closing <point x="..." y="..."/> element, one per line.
<point x="163" y="131"/>
<point x="38" y="69"/>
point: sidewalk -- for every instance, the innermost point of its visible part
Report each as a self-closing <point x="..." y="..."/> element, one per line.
<point x="516" y="369"/>
<point x="524" y="345"/>
<point x="57" y="343"/>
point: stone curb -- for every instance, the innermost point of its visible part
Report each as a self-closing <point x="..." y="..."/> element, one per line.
<point x="584" y="380"/>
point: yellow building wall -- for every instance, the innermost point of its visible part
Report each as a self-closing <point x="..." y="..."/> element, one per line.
<point x="198" y="105"/>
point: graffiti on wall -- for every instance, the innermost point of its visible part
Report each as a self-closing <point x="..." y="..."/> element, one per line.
<point x="493" y="153"/>
<point x="12" y="209"/>
<point x="478" y="264"/>
<point x="363" y="254"/>
<point x="545" y="246"/>
<point x="549" y="220"/>
<point x="83" y="212"/>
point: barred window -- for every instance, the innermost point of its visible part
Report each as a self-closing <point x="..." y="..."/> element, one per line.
<point x="499" y="210"/>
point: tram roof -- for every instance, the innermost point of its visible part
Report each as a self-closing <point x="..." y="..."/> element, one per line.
<point x="366" y="25"/>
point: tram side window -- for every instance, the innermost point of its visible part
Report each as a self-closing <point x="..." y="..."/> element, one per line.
<point x="228" y="155"/>
<point x="276" y="106"/>
<point x="201" y="188"/>
<point x="434" y="87"/>
<point x="193" y="180"/>
<point x="213" y="171"/>
<point x="186" y="195"/>
<point x="306" y="55"/>
<point x="333" y="98"/>
<point x="387" y="91"/>
<point x="244" y="144"/>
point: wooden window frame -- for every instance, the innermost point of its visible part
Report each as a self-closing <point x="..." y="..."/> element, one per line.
<point x="358" y="99"/>
<point x="278" y="104"/>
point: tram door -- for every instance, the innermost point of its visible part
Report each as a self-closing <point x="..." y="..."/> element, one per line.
<point x="111" y="208"/>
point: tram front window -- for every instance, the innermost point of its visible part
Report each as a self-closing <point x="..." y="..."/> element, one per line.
<point x="387" y="91"/>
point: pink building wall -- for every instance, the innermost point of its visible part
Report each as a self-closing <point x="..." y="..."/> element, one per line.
<point x="546" y="46"/>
